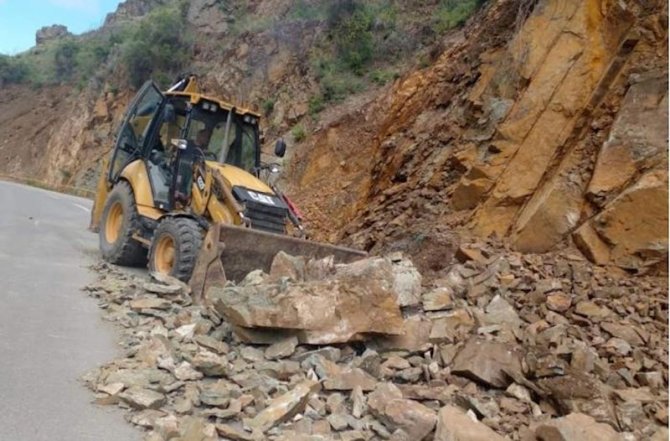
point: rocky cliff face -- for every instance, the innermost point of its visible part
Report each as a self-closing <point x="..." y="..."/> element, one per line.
<point x="48" y="33"/>
<point x="132" y="9"/>
<point x="539" y="131"/>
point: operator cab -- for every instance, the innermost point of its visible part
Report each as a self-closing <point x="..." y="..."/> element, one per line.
<point x="179" y="129"/>
<point x="219" y="134"/>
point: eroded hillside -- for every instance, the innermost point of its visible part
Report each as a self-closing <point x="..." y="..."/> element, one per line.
<point x="540" y="131"/>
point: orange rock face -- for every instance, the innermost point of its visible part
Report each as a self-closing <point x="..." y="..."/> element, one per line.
<point x="540" y="132"/>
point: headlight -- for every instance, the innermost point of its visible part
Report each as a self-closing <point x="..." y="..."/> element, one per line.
<point x="250" y="120"/>
<point x="209" y="106"/>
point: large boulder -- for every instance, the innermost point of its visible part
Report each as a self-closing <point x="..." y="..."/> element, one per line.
<point x="358" y="299"/>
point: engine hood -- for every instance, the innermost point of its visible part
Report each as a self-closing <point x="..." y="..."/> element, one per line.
<point x="238" y="177"/>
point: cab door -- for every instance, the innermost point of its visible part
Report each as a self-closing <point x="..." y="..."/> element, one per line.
<point x="136" y="127"/>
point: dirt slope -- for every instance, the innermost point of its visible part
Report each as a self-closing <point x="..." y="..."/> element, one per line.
<point x="28" y="119"/>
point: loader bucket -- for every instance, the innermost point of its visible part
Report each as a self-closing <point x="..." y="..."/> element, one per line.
<point x="243" y="250"/>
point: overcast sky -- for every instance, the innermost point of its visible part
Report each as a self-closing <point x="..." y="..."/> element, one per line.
<point x="20" y="19"/>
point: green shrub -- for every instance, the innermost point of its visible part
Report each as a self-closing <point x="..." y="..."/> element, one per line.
<point x="157" y="48"/>
<point x="316" y="105"/>
<point x="336" y="81"/>
<point x="382" y="77"/>
<point x="341" y="59"/>
<point x="64" y="60"/>
<point x="303" y="10"/>
<point x="65" y="174"/>
<point x="454" y="13"/>
<point x="12" y="70"/>
<point x="298" y="133"/>
<point x="91" y="55"/>
<point x="268" y="106"/>
<point x="336" y="86"/>
<point x="350" y="23"/>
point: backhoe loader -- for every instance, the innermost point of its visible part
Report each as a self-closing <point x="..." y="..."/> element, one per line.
<point x="182" y="189"/>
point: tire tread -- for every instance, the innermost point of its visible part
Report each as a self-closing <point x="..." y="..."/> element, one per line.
<point x="130" y="252"/>
<point x="188" y="237"/>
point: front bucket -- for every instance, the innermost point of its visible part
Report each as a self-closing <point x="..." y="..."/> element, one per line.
<point x="245" y="250"/>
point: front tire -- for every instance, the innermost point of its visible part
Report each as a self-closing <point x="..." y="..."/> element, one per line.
<point x="175" y="247"/>
<point x="119" y="221"/>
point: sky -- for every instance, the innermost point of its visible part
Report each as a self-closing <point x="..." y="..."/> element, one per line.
<point x="20" y="19"/>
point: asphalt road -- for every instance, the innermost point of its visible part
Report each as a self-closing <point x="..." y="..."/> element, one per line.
<point x="50" y="331"/>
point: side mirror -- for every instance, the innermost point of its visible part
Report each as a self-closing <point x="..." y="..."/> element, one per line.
<point x="280" y="148"/>
<point x="169" y="114"/>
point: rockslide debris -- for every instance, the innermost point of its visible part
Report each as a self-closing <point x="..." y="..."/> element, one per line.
<point x="501" y="346"/>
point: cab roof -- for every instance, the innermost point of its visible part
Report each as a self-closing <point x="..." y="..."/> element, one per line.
<point x="196" y="98"/>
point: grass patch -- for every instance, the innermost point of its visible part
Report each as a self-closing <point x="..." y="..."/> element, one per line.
<point x="316" y="105"/>
<point x="303" y="10"/>
<point x="298" y="132"/>
<point x="454" y="13"/>
<point x="336" y="82"/>
<point x="268" y="106"/>
<point x="383" y="76"/>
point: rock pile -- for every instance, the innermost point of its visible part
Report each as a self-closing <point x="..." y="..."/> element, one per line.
<point x="503" y="346"/>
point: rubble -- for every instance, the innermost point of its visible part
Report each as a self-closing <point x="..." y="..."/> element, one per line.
<point x="493" y="362"/>
<point x="142" y="398"/>
<point x="438" y="299"/>
<point x="414" y="419"/>
<point x="453" y="424"/>
<point x="283" y="407"/>
<point x="349" y="379"/>
<point x="576" y="426"/>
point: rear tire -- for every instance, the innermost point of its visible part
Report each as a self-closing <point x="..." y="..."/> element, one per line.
<point x="175" y="247"/>
<point x="119" y="221"/>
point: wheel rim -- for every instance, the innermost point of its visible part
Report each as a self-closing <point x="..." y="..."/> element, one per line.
<point x="114" y="223"/>
<point x="164" y="255"/>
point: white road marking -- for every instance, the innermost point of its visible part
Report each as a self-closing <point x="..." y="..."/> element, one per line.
<point x="86" y="209"/>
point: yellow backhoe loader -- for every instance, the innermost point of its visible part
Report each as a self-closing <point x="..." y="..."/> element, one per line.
<point x="183" y="190"/>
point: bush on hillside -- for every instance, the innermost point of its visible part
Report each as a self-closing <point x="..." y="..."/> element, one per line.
<point x="64" y="60"/>
<point x="91" y="55"/>
<point x="158" y="48"/>
<point x="454" y="13"/>
<point x="12" y="70"/>
<point x="298" y="132"/>
<point x="350" y="24"/>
